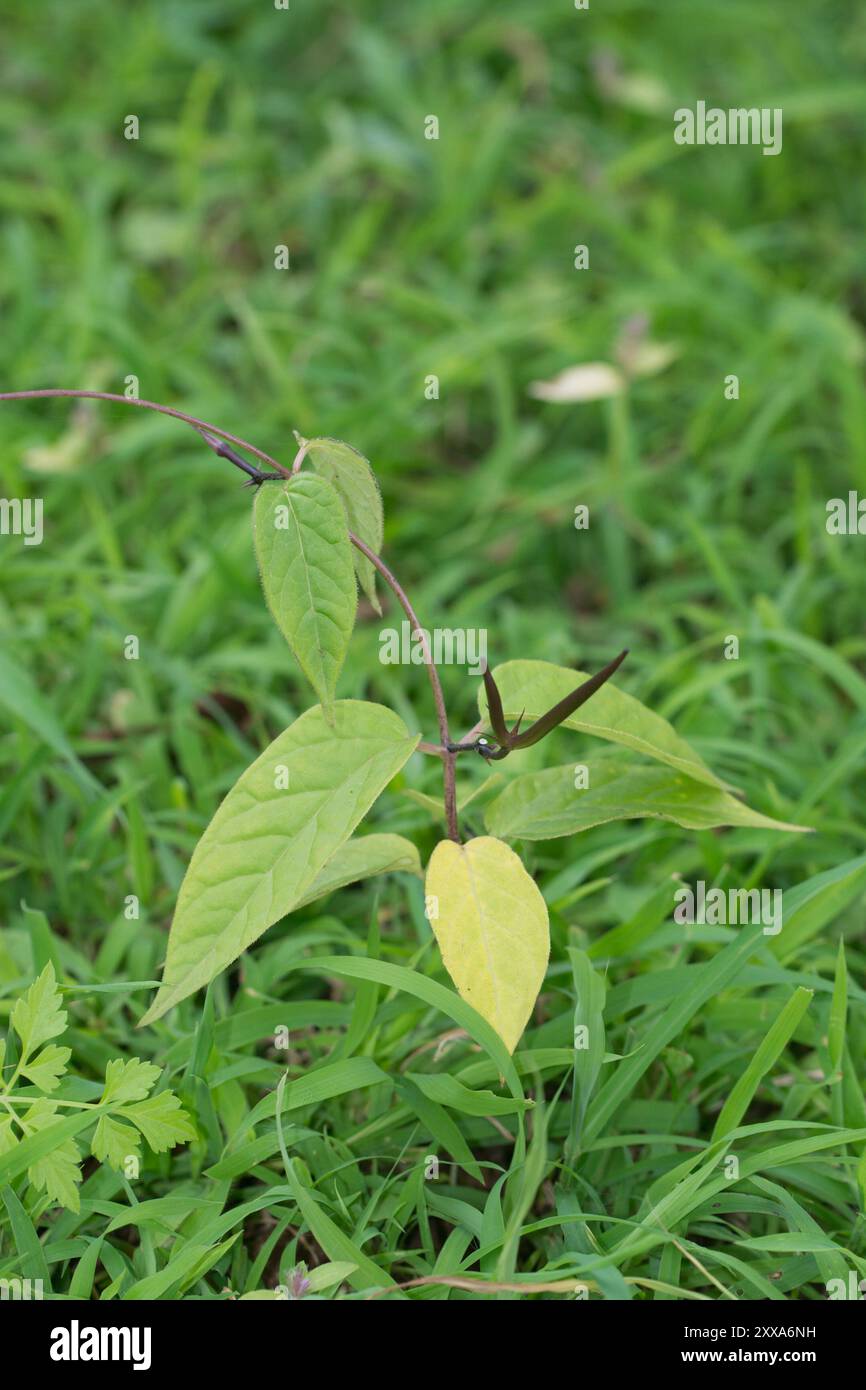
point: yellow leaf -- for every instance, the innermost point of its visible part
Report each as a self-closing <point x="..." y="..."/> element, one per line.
<point x="491" y="924"/>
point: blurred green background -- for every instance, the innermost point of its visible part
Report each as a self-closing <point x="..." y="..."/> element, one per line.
<point x="410" y="257"/>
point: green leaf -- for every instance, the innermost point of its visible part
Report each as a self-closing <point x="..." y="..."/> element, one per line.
<point x="43" y="1141"/>
<point x="447" y="1090"/>
<point x="398" y="977"/>
<point x="588" y="1035"/>
<point x="770" y="1049"/>
<point x="327" y="1275"/>
<point x="114" y="1142"/>
<point x="440" y="1126"/>
<point x="8" y="1138"/>
<point x="38" y="1015"/>
<point x="305" y="560"/>
<point x="281" y="823"/>
<point x="46" y="1069"/>
<point x="57" y="1172"/>
<point x="161" y="1119"/>
<point x="81" y="1283"/>
<point x="491" y="924"/>
<point x="32" y="1255"/>
<point x="532" y="687"/>
<point x="23" y="700"/>
<point x="546" y="805"/>
<point x="339" y="1248"/>
<point x="706" y="981"/>
<point x="129" y="1079"/>
<point x="818" y="900"/>
<point x="838" y="1012"/>
<point x="355" y="481"/>
<point x="364" y="857"/>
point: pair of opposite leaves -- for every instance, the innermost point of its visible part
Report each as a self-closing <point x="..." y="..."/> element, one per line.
<point x="279" y="835"/>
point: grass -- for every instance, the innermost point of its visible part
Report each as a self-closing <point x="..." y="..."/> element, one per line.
<point x="155" y="258"/>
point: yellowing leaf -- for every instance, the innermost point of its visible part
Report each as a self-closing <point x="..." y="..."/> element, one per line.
<point x="280" y="824"/>
<point x="491" y="924"/>
<point x="305" y="560"/>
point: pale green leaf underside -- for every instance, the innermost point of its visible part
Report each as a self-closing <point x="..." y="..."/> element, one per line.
<point x="364" y="857"/>
<point x="355" y="481"/>
<point x="491" y="924"/>
<point x="277" y="828"/>
<point x="535" y="686"/>
<point x="545" y="805"/>
<point x="305" y="560"/>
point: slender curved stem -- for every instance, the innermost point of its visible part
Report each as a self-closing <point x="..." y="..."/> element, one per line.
<point x="448" y="757"/>
<point x="204" y="428"/>
<point x="145" y="405"/>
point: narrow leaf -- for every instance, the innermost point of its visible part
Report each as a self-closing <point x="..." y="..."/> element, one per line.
<point x="767" y="1054"/>
<point x="838" y="1012"/>
<point x="810" y="906"/>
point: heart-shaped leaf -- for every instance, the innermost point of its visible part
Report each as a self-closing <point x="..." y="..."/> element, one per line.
<point x="533" y="687"/>
<point x="277" y="828"/>
<point x="545" y="805"/>
<point x="359" y="492"/>
<point x="305" y="560"/>
<point x="491" y="924"/>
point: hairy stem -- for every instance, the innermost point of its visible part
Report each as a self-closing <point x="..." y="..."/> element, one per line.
<point x="203" y="428"/>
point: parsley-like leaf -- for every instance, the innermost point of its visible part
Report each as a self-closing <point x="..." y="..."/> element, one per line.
<point x="38" y="1015"/>
<point x="129" y="1080"/>
<point x="161" y="1119"/>
<point x="113" y="1142"/>
<point x="58" y="1173"/>
<point x="46" y="1069"/>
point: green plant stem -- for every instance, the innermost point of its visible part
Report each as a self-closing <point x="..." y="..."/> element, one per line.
<point x="67" y="1104"/>
<point x="448" y="758"/>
